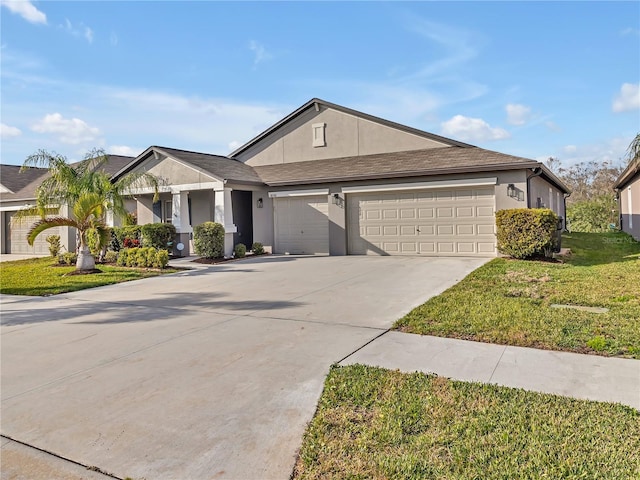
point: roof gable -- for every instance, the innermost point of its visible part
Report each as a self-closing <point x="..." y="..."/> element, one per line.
<point x="317" y="104"/>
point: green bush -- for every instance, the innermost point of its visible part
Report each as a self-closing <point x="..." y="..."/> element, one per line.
<point x="208" y="240"/>
<point x="593" y="216"/>
<point x="54" y="245"/>
<point x="158" y="235"/>
<point x="127" y="237"/>
<point x="68" y="258"/>
<point x="161" y="259"/>
<point x="93" y="242"/>
<point x="526" y="232"/>
<point x="257" y="248"/>
<point x="240" y="250"/>
<point x="111" y="256"/>
<point x="143" y="257"/>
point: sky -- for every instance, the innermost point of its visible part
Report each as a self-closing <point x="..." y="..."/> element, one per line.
<point x="533" y="79"/>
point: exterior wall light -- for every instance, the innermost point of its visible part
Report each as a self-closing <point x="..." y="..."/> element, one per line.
<point x="511" y="190"/>
<point x="260" y="203"/>
<point x="336" y="200"/>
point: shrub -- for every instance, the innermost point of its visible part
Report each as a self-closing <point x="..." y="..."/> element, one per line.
<point x="142" y="257"/>
<point x="132" y="233"/>
<point x="68" y="258"/>
<point x="111" y="256"/>
<point x="54" y="245"/>
<point x="93" y="241"/>
<point x="240" y="250"/>
<point x="526" y="232"/>
<point x="257" y="248"/>
<point x="593" y="215"/>
<point x="208" y="240"/>
<point x="161" y="259"/>
<point x="158" y="235"/>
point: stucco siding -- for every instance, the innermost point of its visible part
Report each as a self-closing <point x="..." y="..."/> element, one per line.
<point x="172" y="171"/>
<point x="630" y="207"/>
<point x="550" y="196"/>
<point x="202" y="205"/>
<point x="346" y="135"/>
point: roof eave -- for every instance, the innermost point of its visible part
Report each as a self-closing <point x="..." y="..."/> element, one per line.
<point x="407" y="174"/>
<point x="627" y="175"/>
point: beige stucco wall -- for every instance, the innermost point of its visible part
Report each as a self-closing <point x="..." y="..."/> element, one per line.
<point x="263" y="218"/>
<point x="202" y="205"/>
<point x="550" y="196"/>
<point x="631" y="218"/>
<point x="346" y="135"/>
<point x="172" y="171"/>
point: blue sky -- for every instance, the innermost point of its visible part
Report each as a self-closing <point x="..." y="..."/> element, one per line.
<point x="531" y="79"/>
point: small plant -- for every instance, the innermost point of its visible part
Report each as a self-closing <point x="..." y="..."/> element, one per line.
<point x="257" y="248"/>
<point x="131" y="242"/>
<point x="240" y="250"/>
<point x="597" y="343"/>
<point x="111" y="256"/>
<point x="208" y="240"/>
<point x="54" y="245"/>
<point x="68" y="258"/>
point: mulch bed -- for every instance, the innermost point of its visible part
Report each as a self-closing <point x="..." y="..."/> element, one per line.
<point x="213" y="261"/>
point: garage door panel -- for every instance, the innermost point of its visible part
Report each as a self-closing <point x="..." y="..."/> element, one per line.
<point x="458" y="222"/>
<point x="301" y="225"/>
<point x="16" y="236"/>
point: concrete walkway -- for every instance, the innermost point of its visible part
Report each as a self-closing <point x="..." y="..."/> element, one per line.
<point x="570" y="374"/>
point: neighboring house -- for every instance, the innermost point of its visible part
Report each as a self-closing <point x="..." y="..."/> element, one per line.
<point x="330" y="180"/>
<point x="627" y="187"/>
<point x="18" y="191"/>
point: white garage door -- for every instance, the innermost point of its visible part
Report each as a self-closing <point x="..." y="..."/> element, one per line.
<point x="301" y="224"/>
<point x="17" y="236"/>
<point x="455" y="221"/>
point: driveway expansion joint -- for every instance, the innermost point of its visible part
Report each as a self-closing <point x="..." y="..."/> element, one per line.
<point x="367" y="343"/>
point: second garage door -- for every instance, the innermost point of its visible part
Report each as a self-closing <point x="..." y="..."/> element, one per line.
<point x="457" y="221"/>
<point x="301" y="224"/>
<point x="16" y="237"/>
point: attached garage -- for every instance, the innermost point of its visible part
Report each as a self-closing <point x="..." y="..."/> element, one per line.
<point x="16" y="235"/>
<point x="439" y="220"/>
<point x="301" y="222"/>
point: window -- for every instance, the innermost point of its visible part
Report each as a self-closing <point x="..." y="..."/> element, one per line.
<point x="318" y="130"/>
<point x="168" y="211"/>
<point x="629" y="207"/>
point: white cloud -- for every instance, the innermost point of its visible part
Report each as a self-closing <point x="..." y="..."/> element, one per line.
<point x="570" y="149"/>
<point x="72" y="131"/>
<point x="260" y="53"/>
<point x="124" y="150"/>
<point x="518" y="114"/>
<point x="628" y="98"/>
<point x="234" y="145"/>
<point x="473" y="129"/>
<point x="610" y="150"/>
<point x="26" y="10"/>
<point x="7" y="131"/>
<point x="80" y="30"/>
<point x="553" y="126"/>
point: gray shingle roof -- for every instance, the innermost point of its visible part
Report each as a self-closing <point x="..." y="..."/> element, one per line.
<point x="24" y="184"/>
<point x="391" y="165"/>
<point x="220" y="167"/>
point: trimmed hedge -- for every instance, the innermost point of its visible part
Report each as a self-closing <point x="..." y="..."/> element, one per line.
<point x="143" y="257"/>
<point x="526" y="232"/>
<point x="158" y="235"/>
<point x="208" y="240"/>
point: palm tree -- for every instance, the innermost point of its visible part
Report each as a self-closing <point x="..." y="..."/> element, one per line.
<point x="88" y="213"/>
<point x="633" y="152"/>
<point x="84" y="183"/>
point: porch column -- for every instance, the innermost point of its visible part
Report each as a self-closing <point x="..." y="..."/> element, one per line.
<point x="223" y="214"/>
<point x="180" y="209"/>
<point x="109" y="218"/>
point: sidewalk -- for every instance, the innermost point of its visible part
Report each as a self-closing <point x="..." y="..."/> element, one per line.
<point x="570" y="374"/>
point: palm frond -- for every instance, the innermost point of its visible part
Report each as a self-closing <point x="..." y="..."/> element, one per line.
<point x="47" y="223"/>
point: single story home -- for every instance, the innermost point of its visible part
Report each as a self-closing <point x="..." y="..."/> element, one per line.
<point x="327" y="179"/>
<point x="627" y="187"/>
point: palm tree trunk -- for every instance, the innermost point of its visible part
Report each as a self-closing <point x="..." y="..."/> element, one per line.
<point x="85" y="259"/>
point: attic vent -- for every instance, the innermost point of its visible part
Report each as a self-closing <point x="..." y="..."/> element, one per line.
<point x="318" y="134"/>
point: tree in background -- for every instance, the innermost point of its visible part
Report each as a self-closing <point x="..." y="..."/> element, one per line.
<point x="592" y="206"/>
<point x="88" y="191"/>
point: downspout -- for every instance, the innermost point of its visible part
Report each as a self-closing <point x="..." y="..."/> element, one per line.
<point x="536" y="173"/>
<point x="617" y="190"/>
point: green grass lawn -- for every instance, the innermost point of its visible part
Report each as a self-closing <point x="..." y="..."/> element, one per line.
<point x="39" y="276"/>
<point x="373" y="423"/>
<point x="509" y="301"/>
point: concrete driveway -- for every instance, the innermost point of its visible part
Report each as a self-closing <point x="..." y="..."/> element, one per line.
<point x="210" y="373"/>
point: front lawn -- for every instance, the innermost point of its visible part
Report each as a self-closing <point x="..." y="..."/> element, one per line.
<point x="38" y="276"/>
<point x="509" y="301"/>
<point x="376" y="423"/>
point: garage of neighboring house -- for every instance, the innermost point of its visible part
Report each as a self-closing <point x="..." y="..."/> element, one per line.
<point x="301" y="222"/>
<point x="16" y="235"/>
<point x="436" y="221"/>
